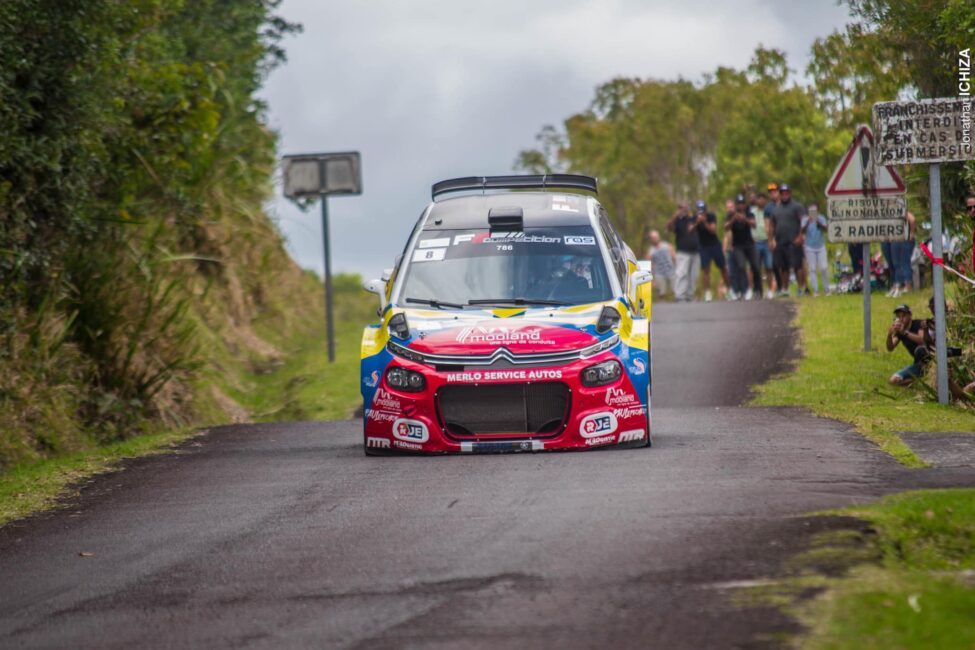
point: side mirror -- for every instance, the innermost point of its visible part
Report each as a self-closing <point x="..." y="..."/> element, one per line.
<point x="639" y="281"/>
<point x="377" y="287"/>
<point x="644" y="265"/>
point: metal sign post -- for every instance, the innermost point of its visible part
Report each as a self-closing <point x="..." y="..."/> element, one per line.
<point x="940" y="330"/>
<point x="928" y="131"/>
<point x="319" y="175"/>
<point x="866" y="298"/>
<point x="865" y="203"/>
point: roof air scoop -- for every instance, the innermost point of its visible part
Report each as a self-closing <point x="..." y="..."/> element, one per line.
<point x="509" y="218"/>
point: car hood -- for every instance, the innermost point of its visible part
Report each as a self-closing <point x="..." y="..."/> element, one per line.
<point x="521" y="331"/>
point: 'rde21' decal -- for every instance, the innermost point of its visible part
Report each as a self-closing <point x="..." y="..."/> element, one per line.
<point x="411" y="430"/>
<point x="597" y="424"/>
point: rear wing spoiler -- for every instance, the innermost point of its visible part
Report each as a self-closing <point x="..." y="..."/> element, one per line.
<point x="515" y="182"/>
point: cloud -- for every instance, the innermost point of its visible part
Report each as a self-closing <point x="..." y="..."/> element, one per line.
<point x="434" y="89"/>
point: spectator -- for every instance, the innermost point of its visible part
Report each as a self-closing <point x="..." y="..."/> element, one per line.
<point x="760" y="233"/>
<point x="710" y="248"/>
<point x="970" y="211"/>
<point x="662" y="260"/>
<point x="813" y="227"/>
<point x="687" y="259"/>
<point x="901" y="276"/>
<point x="740" y="224"/>
<point x="911" y="334"/>
<point x="856" y="258"/>
<point x="787" y="229"/>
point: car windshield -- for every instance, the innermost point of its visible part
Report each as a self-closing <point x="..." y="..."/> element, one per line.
<point x="538" y="266"/>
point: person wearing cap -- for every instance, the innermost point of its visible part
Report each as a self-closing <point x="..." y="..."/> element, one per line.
<point x="687" y="258"/>
<point x="910" y="333"/>
<point x="710" y="248"/>
<point x="740" y="223"/>
<point x="813" y="227"/>
<point x="787" y="228"/>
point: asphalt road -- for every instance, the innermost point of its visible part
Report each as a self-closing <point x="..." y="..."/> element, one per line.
<point x="286" y="535"/>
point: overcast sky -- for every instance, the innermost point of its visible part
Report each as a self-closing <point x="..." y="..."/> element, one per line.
<point x="434" y="89"/>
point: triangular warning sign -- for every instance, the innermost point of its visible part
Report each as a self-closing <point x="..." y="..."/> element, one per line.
<point x="856" y="173"/>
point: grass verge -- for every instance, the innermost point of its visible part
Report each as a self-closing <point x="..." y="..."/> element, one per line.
<point x="299" y="385"/>
<point x="33" y="487"/>
<point x="835" y="378"/>
<point x="905" y="579"/>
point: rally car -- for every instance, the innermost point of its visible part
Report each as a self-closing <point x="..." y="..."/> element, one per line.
<point x="516" y="319"/>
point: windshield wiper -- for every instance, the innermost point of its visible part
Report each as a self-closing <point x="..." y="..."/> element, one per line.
<point x="437" y="304"/>
<point x="516" y="301"/>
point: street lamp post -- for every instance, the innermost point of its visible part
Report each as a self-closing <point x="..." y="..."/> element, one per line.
<point x="320" y="175"/>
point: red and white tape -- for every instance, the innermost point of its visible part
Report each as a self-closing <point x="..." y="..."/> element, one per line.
<point x="941" y="262"/>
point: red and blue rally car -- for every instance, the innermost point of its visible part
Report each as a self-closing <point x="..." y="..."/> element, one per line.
<point x="516" y="319"/>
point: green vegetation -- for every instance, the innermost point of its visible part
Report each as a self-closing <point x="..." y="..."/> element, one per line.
<point x="31" y="487"/>
<point x="142" y="288"/>
<point x="297" y="384"/>
<point x="835" y="378"/>
<point x="906" y="581"/>
<point x="654" y="142"/>
<point x="305" y="386"/>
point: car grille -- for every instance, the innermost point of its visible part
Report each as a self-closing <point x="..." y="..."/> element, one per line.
<point x="504" y="410"/>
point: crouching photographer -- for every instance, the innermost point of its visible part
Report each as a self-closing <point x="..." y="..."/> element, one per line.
<point x="911" y="333"/>
<point x="918" y="338"/>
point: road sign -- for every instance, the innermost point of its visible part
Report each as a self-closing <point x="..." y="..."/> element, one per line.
<point x="320" y="175"/>
<point x="924" y="130"/>
<point x="861" y="218"/>
<point x="865" y="202"/>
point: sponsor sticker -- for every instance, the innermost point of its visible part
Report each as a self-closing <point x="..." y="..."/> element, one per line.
<point x="565" y="203"/>
<point x="630" y="436"/>
<point x="410" y="430"/>
<point x="429" y="254"/>
<point x="619" y="397"/>
<point x="504" y="375"/>
<point x="372" y="379"/>
<point x="629" y="412"/>
<point x="502" y="335"/>
<point x="381" y="416"/>
<point x="597" y="424"/>
<point x="639" y="367"/>
<point x="385" y="400"/>
<point x="381" y="443"/>
<point x="440" y="242"/>
<point x="580" y="240"/>
<point x="412" y="446"/>
<point x="601" y="440"/>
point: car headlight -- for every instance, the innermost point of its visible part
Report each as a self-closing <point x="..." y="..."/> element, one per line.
<point x="600" y="374"/>
<point x="405" y="379"/>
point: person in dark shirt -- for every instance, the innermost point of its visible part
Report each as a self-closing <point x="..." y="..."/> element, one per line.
<point x="787" y="229"/>
<point x="711" y="251"/>
<point x="910" y="333"/>
<point x="740" y="222"/>
<point x="684" y="225"/>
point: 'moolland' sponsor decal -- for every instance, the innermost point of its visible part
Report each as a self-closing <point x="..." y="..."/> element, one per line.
<point x="597" y="424"/>
<point x="410" y="430"/>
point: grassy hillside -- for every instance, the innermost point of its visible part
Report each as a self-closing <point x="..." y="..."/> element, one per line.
<point x="143" y="290"/>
